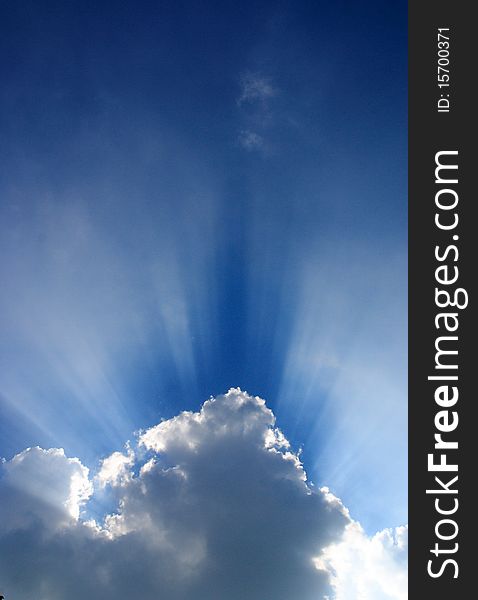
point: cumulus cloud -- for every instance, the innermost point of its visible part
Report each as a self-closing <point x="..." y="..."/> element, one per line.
<point x="116" y="469"/>
<point x="42" y="486"/>
<point x="210" y="504"/>
<point x="364" y="568"/>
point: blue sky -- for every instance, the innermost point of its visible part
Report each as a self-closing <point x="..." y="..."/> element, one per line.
<point x="197" y="196"/>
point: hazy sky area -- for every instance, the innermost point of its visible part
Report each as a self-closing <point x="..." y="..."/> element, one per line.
<point x="198" y="196"/>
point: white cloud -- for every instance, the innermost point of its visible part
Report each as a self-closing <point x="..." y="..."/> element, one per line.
<point x="42" y="485"/>
<point x="210" y="504"/>
<point x="116" y="469"/>
<point x="366" y="568"/>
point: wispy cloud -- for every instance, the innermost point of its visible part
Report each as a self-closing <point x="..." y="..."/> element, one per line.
<point x="255" y="88"/>
<point x="250" y="140"/>
<point x="254" y="103"/>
